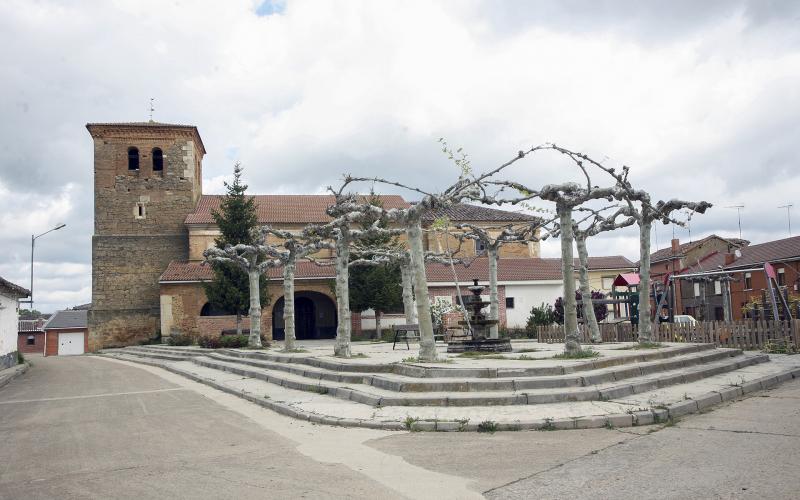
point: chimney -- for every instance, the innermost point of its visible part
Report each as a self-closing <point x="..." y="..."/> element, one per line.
<point x="729" y="258"/>
<point x="676" y="246"/>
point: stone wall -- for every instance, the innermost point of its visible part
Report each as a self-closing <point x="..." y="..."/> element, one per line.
<point x="139" y="225"/>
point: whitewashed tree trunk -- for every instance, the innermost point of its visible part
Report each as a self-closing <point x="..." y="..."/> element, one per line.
<point x="255" y="307"/>
<point x="494" y="306"/>
<point x="378" y="325"/>
<point x="586" y="290"/>
<point x="288" y="307"/>
<point x="571" y="335"/>
<point x="726" y="300"/>
<point x="408" y="294"/>
<point x="645" y="326"/>
<point x="238" y="324"/>
<point x="427" y="344"/>
<point x="342" y="347"/>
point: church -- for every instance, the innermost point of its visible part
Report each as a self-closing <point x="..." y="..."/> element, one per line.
<point x="152" y="223"/>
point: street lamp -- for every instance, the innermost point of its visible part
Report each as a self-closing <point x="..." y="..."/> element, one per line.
<point x="33" y="242"/>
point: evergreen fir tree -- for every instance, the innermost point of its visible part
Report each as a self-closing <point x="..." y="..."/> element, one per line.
<point x="229" y="290"/>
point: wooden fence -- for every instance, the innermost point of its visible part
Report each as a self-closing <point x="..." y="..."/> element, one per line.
<point x="741" y="334"/>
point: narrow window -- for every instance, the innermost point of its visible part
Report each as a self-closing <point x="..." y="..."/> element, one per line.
<point x="140" y="212"/>
<point x="133" y="159"/>
<point x="480" y="247"/>
<point x="781" y="277"/>
<point x="748" y="281"/>
<point x="717" y="287"/>
<point x="696" y="289"/>
<point x="158" y="160"/>
<point x="509" y="302"/>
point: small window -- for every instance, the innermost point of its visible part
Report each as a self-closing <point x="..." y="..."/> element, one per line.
<point x="718" y="287"/>
<point x="781" y="277"/>
<point x="509" y="302"/>
<point x="133" y="159"/>
<point x="696" y="289"/>
<point x="608" y="282"/>
<point x="31" y="340"/>
<point x="480" y="247"/>
<point x="748" y="281"/>
<point x="158" y="160"/>
<point x="141" y="211"/>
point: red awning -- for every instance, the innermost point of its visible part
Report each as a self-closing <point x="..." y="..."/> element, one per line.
<point x="627" y="279"/>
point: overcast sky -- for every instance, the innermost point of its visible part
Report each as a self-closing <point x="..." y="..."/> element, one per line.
<point x="700" y="99"/>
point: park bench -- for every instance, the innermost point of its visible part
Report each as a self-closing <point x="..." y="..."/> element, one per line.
<point x="410" y="332"/>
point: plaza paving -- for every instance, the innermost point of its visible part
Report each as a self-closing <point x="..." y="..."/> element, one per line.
<point x="88" y="427"/>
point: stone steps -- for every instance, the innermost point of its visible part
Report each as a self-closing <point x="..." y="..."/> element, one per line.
<point x="404" y="383"/>
<point x="646" y="408"/>
<point x="363" y="392"/>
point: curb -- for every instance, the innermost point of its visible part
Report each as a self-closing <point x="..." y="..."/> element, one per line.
<point x="16" y="371"/>
<point x="633" y="419"/>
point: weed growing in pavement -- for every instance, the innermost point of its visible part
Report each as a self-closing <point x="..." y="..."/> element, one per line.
<point x="462" y="424"/>
<point x="581" y="354"/>
<point x="779" y="347"/>
<point x="548" y="425"/>
<point x="410" y="421"/>
<point x="608" y="425"/>
<point x="415" y="359"/>
<point x="489" y="426"/>
<point x="359" y="355"/>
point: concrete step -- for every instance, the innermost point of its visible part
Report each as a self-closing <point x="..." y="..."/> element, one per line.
<point x="405" y="383"/>
<point x="373" y="395"/>
<point x="544" y="367"/>
<point x="645" y="408"/>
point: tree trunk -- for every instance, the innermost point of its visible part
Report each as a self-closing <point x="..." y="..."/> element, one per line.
<point x="427" y="344"/>
<point x="572" y="342"/>
<point x="494" y="307"/>
<point x="255" y="307"/>
<point x="342" y="347"/>
<point x="586" y="291"/>
<point x="408" y="294"/>
<point x="726" y="300"/>
<point x="288" y="307"/>
<point x="645" y="326"/>
<point x="238" y="323"/>
<point x="378" y="335"/>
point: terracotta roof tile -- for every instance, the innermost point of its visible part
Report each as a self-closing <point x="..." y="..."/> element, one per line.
<point x="463" y="212"/>
<point x="666" y="253"/>
<point x="283" y="208"/>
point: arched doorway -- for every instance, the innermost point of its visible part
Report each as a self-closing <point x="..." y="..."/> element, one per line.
<point x="314" y="317"/>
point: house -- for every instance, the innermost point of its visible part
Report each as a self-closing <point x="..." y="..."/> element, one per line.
<point x="30" y="336"/>
<point x="9" y="317"/>
<point x="678" y="258"/>
<point x="66" y="333"/>
<point x="703" y="283"/>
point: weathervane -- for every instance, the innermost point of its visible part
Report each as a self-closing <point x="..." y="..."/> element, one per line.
<point x="151" y="108"/>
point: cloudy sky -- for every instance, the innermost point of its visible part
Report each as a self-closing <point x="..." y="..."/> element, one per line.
<point x="700" y="99"/>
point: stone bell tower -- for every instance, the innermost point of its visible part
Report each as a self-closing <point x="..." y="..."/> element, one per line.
<point x="147" y="178"/>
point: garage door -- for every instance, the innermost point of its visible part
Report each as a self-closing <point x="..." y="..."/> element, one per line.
<point x="70" y="343"/>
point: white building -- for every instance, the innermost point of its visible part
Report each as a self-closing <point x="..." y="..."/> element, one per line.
<point x="9" y="320"/>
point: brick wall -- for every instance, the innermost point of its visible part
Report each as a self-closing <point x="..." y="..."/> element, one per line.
<point x="36" y="348"/>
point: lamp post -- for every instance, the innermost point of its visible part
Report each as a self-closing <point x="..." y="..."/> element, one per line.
<point x="33" y="243"/>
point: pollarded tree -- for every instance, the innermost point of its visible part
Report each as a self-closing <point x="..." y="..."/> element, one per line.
<point x="236" y="218"/>
<point x="645" y="212"/>
<point x="286" y="254"/>
<point x="252" y="259"/>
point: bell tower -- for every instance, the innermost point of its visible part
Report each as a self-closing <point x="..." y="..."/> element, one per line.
<point x="147" y="179"/>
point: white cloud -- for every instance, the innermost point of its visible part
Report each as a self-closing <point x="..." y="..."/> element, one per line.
<point x="700" y="99"/>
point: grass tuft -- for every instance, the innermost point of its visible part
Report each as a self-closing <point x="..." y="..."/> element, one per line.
<point x="581" y="354"/>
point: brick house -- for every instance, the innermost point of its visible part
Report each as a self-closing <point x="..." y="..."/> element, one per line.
<point x="703" y="289"/>
<point x="66" y="333"/>
<point x="30" y="336"/>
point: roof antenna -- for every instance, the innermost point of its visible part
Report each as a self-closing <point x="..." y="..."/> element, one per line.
<point x="151" y="109"/>
<point x="739" y="214"/>
<point x="788" y="208"/>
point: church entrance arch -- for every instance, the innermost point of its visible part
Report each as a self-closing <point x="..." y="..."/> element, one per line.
<point x="314" y="317"/>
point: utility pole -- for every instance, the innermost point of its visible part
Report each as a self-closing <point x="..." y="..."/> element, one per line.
<point x="788" y="207"/>
<point x="739" y="214"/>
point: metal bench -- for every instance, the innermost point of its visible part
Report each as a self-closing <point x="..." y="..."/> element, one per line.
<point x="410" y="332"/>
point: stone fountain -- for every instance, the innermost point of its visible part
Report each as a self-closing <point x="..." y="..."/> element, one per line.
<point x="478" y="326"/>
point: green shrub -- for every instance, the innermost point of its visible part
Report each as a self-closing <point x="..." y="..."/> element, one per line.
<point x="209" y="342"/>
<point x="542" y="315"/>
<point x="20" y="358"/>
<point x="234" y="341"/>
<point x="582" y="354"/>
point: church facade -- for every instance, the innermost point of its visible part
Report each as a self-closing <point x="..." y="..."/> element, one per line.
<point x="152" y="224"/>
